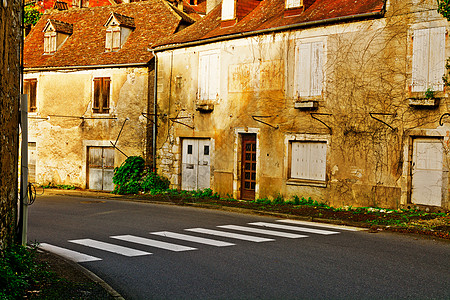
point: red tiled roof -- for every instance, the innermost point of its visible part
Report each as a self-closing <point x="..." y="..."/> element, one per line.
<point x="153" y="19"/>
<point x="269" y="14"/>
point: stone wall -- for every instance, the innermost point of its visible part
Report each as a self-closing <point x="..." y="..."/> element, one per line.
<point x="9" y="114"/>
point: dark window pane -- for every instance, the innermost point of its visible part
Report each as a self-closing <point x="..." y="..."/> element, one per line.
<point x="247" y="175"/>
<point x="253" y="176"/>
<point x="247" y="166"/>
<point x="247" y="185"/>
<point x="254" y="156"/>
<point x="254" y="166"/>
<point x="253" y="185"/>
<point x="206" y="150"/>
<point x="253" y="147"/>
<point x="247" y="156"/>
<point x="189" y="149"/>
<point x="248" y="147"/>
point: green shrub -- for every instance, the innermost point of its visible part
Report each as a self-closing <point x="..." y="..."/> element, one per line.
<point x="279" y="199"/>
<point x="127" y="177"/>
<point x="152" y="182"/>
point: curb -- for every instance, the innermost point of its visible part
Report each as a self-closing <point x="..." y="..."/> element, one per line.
<point x="90" y="275"/>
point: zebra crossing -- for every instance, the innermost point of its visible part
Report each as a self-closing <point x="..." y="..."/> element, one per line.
<point x="273" y="230"/>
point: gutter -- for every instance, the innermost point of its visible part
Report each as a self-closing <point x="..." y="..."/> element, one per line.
<point x="271" y="30"/>
<point x="155" y="116"/>
<point x="86" y="67"/>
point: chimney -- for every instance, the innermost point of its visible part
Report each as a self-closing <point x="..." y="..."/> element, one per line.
<point x="211" y="4"/>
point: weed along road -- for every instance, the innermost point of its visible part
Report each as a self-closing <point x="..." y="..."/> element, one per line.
<point x="150" y="251"/>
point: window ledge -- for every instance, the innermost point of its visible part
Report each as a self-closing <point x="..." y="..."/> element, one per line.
<point x="423" y="102"/>
<point x="306" y="182"/>
<point x="204" y="106"/>
<point x="306" y="104"/>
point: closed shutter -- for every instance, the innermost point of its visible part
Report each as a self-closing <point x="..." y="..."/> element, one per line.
<point x="303" y="70"/>
<point x="46" y="44"/>
<point x="203" y="77"/>
<point x="105" y="94"/>
<point x="308" y="160"/>
<point x="420" y="60"/>
<point x="97" y="87"/>
<point x="437" y="58"/>
<point x="32" y="95"/>
<point x="316" y="68"/>
<point x="213" y="70"/>
<point x="116" y="39"/>
<point x="53" y="43"/>
<point x="108" y="42"/>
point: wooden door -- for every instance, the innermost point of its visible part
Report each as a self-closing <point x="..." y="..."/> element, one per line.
<point x="195" y="164"/>
<point x="101" y="168"/>
<point x="248" y="168"/>
<point x="427" y="171"/>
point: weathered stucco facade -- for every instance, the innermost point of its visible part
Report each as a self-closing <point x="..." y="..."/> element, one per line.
<point x="10" y="37"/>
<point x="360" y="133"/>
<point x="64" y="126"/>
<point x="89" y="75"/>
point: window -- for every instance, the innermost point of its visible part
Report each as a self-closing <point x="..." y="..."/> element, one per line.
<point x="49" y="42"/>
<point x="228" y="9"/>
<point x="101" y="95"/>
<point x="428" y="62"/>
<point x="112" y="39"/>
<point x="208" y="81"/>
<point x="29" y="88"/>
<point x="293" y="3"/>
<point x="308" y="70"/>
<point x="308" y="160"/>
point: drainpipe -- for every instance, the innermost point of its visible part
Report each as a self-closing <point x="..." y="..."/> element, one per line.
<point x="155" y="118"/>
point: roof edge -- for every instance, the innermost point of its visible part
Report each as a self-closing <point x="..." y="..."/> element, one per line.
<point x="37" y="69"/>
<point x="377" y="14"/>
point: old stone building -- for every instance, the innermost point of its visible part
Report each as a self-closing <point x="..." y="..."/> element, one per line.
<point x="10" y="41"/>
<point x="89" y="77"/>
<point x="341" y="101"/>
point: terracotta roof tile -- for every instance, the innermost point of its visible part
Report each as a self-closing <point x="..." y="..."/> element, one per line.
<point x="86" y="46"/>
<point x="124" y="20"/>
<point x="61" y="26"/>
<point x="270" y="14"/>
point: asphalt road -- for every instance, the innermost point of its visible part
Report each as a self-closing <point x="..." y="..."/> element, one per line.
<point x="331" y="263"/>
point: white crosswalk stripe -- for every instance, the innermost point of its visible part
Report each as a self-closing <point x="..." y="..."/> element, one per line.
<point x="110" y="247"/>
<point x="69" y="254"/>
<point x="263" y="231"/>
<point x="298" y="222"/>
<point x="230" y="235"/>
<point x="294" y="228"/>
<point x="191" y="238"/>
<point x="153" y="243"/>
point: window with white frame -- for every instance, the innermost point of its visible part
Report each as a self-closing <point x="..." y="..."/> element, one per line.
<point x="228" y="9"/>
<point x="308" y="69"/>
<point x="308" y="160"/>
<point x="208" y="75"/>
<point x="428" y="61"/>
<point x="293" y="3"/>
<point x="112" y="42"/>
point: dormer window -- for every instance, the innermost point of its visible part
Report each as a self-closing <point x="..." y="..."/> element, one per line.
<point x="118" y="28"/>
<point x="55" y="34"/>
<point x="294" y="3"/>
<point x="228" y="10"/>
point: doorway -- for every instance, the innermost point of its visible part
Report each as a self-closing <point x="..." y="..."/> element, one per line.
<point x="248" y="167"/>
<point x="427" y="171"/>
<point x="195" y="164"/>
<point x="101" y="168"/>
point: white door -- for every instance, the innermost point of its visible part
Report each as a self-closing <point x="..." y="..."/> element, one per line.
<point x="101" y="168"/>
<point x="195" y="164"/>
<point x="427" y="165"/>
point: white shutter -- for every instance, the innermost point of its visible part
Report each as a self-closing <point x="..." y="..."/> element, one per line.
<point x="437" y="58"/>
<point x="293" y="3"/>
<point x="295" y="160"/>
<point x="420" y="60"/>
<point x="317" y="163"/>
<point x="203" y="77"/>
<point x="303" y="76"/>
<point x="308" y="160"/>
<point x="46" y="44"/>
<point x="228" y="9"/>
<point x="108" y="41"/>
<point x="213" y="77"/>
<point x="316" y="68"/>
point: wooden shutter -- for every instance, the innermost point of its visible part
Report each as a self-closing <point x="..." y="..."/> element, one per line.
<point x="116" y="39"/>
<point x="437" y="58"/>
<point x="293" y="3"/>
<point x="203" y="77"/>
<point x="46" y="44"/>
<point x="32" y="95"/>
<point x="316" y="68"/>
<point x="97" y="89"/>
<point x="420" y="60"/>
<point x="303" y="70"/>
<point x="317" y="163"/>
<point x="214" y="76"/>
<point x="108" y="41"/>
<point x="308" y="160"/>
<point x="105" y="94"/>
<point x="53" y="43"/>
